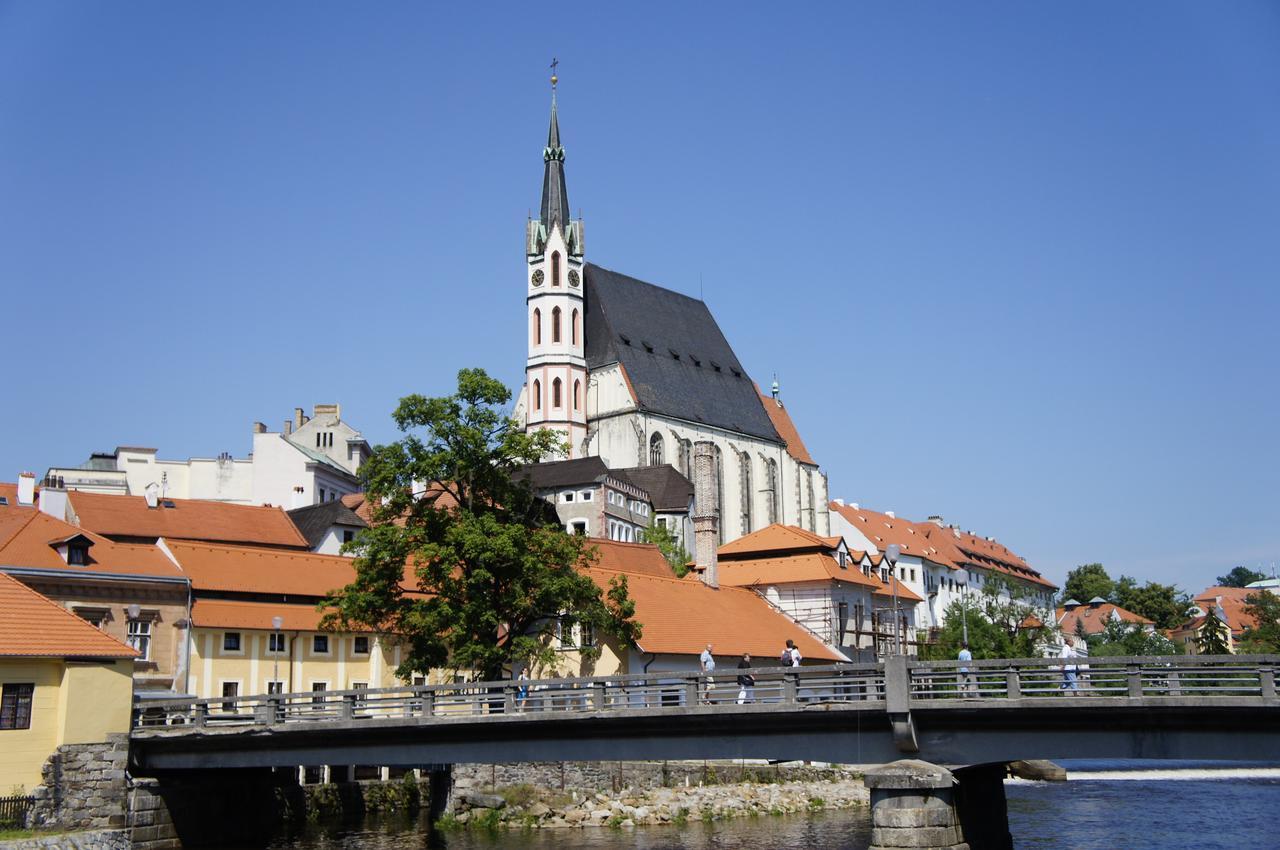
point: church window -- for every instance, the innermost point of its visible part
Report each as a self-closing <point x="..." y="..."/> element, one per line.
<point x="555" y="325"/>
<point x="744" y="475"/>
<point x="720" y="491"/>
<point x="813" y="511"/>
<point x="772" y="489"/>
<point x="537" y="327"/>
<point x="555" y="392"/>
<point x="657" y="456"/>
<point x="555" y="268"/>
<point x="537" y="395"/>
<point x="574" y="329"/>
<point x="686" y="458"/>
<point x="577" y="395"/>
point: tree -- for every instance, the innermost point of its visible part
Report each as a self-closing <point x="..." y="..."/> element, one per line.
<point x="1264" y="636"/>
<point x="462" y="561"/>
<point x="1212" y="639"/>
<point x="1240" y="577"/>
<point x="1087" y="581"/>
<point x="1121" y="638"/>
<point x="1163" y="604"/>
<point x="671" y="546"/>
<point x="994" y="620"/>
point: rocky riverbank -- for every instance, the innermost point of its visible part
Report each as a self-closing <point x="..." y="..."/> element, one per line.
<point x="527" y="807"/>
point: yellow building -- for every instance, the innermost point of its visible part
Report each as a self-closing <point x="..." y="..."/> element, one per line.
<point x="62" y="681"/>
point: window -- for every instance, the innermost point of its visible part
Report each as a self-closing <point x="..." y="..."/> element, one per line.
<point x="230" y="690"/>
<point x="564" y="634"/>
<point x="720" y="493"/>
<point x="555" y="392"/>
<point x="578" y="527"/>
<point x="537" y="326"/>
<point x="275" y="642"/>
<point x="138" y="636"/>
<point x="275" y="687"/>
<point x="230" y="641"/>
<point x="555" y="324"/>
<point x="360" y="645"/>
<point x="584" y="496"/>
<point x="348" y="535"/>
<point x="537" y="395"/>
<point x="587" y="635"/>
<point x="567" y="497"/>
<point x="15" y="705"/>
<point x="317" y="693"/>
<point x="772" y="489"/>
<point x="317" y="439"/>
<point x="657" y="453"/>
<point x="555" y="268"/>
<point x="320" y="644"/>
<point x="77" y="554"/>
<point x="744" y="488"/>
<point x="322" y="494"/>
<point x="577" y="395"/>
<point x="358" y="701"/>
<point x="574" y="329"/>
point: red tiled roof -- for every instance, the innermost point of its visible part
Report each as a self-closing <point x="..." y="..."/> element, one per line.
<point x="36" y="627"/>
<point x="883" y="530"/>
<point x="682" y="617"/>
<point x="786" y="428"/>
<point x="789" y="568"/>
<point x="1094" y="619"/>
<point x="776" y="538"/>
<point x="28" y="538"/>
<point x="233" y="614"/>
<point x="1233" y="601"/>
<point x="10" y="493"/>
<point x="188" y="519"/>
<point x="641" y="558"/>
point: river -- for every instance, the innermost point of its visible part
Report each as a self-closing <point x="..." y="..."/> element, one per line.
<point x="1104" y="806"/>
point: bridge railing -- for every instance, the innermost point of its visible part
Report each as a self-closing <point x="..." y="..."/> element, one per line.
<point x="1123" y="676"/>
<point x="861" y="684"/>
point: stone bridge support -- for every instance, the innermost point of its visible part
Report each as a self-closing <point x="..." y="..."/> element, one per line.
<point x="913" y="806"/>
<point x="981" y="805"/>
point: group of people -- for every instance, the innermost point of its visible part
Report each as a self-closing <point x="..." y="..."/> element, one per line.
<point x="968" y="685"/>
<point x="790" y="657"/>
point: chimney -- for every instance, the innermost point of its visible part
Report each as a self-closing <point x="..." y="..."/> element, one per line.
<point x="854" y="505"/>
<point x="26" y="488"/>
<point x="152" y="494"/>
<point x="259" y="428"/>
<point x="937" y="520"/>
<point x="839" y="502"/>
<point x="890" y="514"/>
<point x="706" y="512"/>
<point x="299" y="498"/>
<point x="299" y="418"/>
<point x="334" y="410"/>
<point x="288" y="427"/>
<point x="53" y="497"/>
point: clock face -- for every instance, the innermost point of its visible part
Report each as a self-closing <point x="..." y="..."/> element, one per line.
<point x="574" y="280"/>
<point x="538" y="277"/>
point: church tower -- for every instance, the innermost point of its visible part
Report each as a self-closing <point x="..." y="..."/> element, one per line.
<point x="555" y="395"/>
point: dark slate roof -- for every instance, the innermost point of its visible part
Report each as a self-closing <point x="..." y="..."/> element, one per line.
<point x="555" y="197"/>
<point x="679" y="362"/>
<point x="564" y="473"/>
<point x="314" y="521"/>
<point x="668" y="490"/>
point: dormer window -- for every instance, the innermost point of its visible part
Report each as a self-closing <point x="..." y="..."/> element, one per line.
<point x="77" y="554"/>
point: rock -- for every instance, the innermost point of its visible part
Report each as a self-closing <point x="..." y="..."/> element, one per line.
<point x="1039" y="770"/>
<point x="539" y="810"/>
<point x="476" y="800"/>
<point x="575" y="816"/>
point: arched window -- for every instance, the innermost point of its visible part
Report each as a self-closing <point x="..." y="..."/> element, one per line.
<point x="574" y="331"/>
<point x="555" y="393"/>
<point x="813" y="509"/>
<point x="537" y="395"/>
<point x="555" y="325"/>
<point x="744" y="484"/>
<point x="657" y="456"/>
<point x="720" y="491"/>
<point x="555" y="268"/>
<point x="772" y="488"/>
<point x="537" y="326"/>
<point x="686" y="457"/>
<point x="577" y="395"/>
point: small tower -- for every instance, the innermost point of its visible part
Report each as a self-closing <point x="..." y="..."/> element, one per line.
<point x="555" y="392"/>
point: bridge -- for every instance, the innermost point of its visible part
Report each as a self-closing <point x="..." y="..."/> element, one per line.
<point x="1221" y="707"/>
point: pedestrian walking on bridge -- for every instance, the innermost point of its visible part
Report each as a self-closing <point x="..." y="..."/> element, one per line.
<point x="707" y="662"/>
<point x="746" y="681"/>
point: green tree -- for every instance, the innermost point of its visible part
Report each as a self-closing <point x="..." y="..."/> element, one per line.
<point x="1164" y="604"/>
<point x="1087" y="581"/>
<point x="1121" y="638"/>
<point x="1212" y="639"/>
<point x="1264" y="636"/>
<point x="671" y="546"/>
<point x="986" y="640"/>
<point x="1240" y="577"/>
<point x="492" y="570"/>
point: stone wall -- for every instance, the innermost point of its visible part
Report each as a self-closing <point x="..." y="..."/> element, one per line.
<point x="103" y="839"/>
<point x="83" y="786"/>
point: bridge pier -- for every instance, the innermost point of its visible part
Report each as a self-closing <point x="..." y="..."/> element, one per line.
<point x="982" y="807"/>
<point x="439" y="790"/>
<point x="913" y="806"/>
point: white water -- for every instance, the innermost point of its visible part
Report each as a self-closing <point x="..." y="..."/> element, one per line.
<point x="1198" y="773"/>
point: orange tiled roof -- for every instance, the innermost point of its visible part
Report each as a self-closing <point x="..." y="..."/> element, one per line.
<point x="963" y="549"/>
<point x="882" y="530"/>
<point x="785" y="569"/>
<point x="29" y="544"/>
<point x="641" y="558"/>
<point x="786" y="428"/>
<point x="681" y="618"/>
<point x="1095" y="620"/>
<point x="776" y="538"/>
<point x="189" y="519"/>
<point x="904" y="592"/>
<point x="10" y="493"/>
<point x="233" y="614"/>
<point x="1233" y="603"/>
<point x="248" y="569"/>
<point x="36" y="627"/>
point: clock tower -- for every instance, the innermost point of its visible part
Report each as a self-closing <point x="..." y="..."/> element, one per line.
<point x="555" y="391"/>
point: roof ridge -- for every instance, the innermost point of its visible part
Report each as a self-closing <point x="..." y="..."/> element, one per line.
<point x="64" y="613"/>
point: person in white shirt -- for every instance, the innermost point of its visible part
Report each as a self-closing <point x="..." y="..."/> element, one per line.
<point x="1066" y="654"/>
<point x="967" y="685"/>
<point x="708" y="663"/>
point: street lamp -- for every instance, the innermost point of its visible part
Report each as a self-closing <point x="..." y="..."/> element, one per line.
<point x="962" y="576"/>
<point x="276" y="622"/>
<point x="891" y="553"/>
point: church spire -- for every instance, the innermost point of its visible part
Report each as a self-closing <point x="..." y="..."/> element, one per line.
<point x="555" y="197"/>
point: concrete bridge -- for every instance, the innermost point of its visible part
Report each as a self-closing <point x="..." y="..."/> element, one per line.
<point x="975" y="720"/>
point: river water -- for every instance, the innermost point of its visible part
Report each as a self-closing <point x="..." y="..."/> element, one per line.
<point x="1104" y="806"/>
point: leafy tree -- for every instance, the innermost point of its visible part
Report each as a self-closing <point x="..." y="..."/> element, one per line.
<point x="671" y="546"/>
<point x="1121" y="638"/>
<point x="1212" y="639"/>
<point x="1264" y="637"/>
<point x="1162" y="603"/>
<point x="491" y="568"/>
<point x="993" y="621"/>
<point x="1087" y="581"/>
<point x="1240" y="577"/>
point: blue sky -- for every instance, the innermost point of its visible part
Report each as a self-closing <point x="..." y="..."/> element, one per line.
<point x="1015" y="264"/>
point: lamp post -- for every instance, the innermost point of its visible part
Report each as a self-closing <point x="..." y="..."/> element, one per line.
<point x="962" y="576"/>
<point x="891" y="553"/>
<point x="276" y="622"/>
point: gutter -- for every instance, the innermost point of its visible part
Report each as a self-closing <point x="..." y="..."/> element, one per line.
<point x="37" y="572"/>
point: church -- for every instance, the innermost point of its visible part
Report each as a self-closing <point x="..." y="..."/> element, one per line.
<point x="635" y="374"/>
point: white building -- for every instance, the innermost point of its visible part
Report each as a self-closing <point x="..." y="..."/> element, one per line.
<point x="312" y="460"/>
<point x="635" y="374"/>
